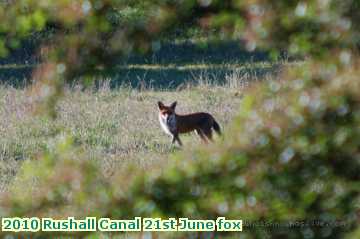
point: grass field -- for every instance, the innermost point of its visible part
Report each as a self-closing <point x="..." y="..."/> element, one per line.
<point x="116" y="126"/>
<point x="116" y="120"/>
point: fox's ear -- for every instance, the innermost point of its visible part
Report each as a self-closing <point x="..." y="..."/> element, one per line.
<point x="160" y="105"/>
<point x="173" y="105"/>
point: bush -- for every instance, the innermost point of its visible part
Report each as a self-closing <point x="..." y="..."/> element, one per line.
<point x="291" y="156"/>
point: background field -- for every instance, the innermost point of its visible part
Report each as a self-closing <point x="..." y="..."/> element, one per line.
<point x="171" y="65"/>
<point x="115" y="121"/>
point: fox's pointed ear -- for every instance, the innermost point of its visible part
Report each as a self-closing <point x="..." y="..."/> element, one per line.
<point x="173" y="105"/>
<point x="160" y="105"/>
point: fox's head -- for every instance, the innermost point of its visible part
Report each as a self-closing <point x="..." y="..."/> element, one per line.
<point x="167" y="117"/>
<point x="166" y="111"/>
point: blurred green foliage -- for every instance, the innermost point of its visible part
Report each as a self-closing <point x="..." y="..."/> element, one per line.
<point x="292" y="154"/>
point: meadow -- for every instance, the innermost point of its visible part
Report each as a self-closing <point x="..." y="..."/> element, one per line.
<point x="115" y="120"/>
<point x="119" y="125"/>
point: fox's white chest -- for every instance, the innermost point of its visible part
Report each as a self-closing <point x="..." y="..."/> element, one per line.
<point x="168" y="123"/>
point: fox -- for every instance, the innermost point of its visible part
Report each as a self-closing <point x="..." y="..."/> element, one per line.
<point x="174" y="124"/>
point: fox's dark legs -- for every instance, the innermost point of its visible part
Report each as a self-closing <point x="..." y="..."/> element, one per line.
<point x="202" y="135"/>
<point x="176" y="138"/>
<point x="208" y="134"/>
<point x="205" y="135"/>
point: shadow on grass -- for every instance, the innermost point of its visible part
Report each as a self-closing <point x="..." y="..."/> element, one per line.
<point x="194" y="53"/>
<point x="16" y="76"/>
<point x="173" y="77"/>
<point x="171" y="66"/>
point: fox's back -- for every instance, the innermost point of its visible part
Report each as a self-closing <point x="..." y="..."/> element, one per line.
<point x="190" y="122"/>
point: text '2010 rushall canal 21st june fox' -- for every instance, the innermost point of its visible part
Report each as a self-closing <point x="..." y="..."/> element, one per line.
<point x="35" y="224"/>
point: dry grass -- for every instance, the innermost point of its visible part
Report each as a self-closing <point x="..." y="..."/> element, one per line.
<point x="114" y="126"/>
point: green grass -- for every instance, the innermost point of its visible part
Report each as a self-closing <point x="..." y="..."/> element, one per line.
<point x="116" y="127"/>
<point x="117" y="122"/>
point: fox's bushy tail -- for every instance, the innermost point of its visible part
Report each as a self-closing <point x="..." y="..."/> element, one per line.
<point x="216" y="127"/>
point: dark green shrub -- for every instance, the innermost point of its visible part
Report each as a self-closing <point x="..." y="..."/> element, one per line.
<point x="291" y="157"/>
